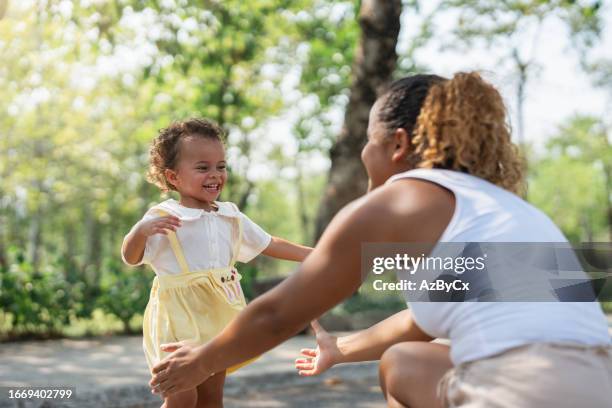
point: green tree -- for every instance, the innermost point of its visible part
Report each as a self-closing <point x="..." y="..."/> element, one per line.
<point x="514" y="27"/>
<point x="374" y="62"/>
<point x="210" y="59"/>
<point x="80" y="113"/>
<point x="572" y="182"/>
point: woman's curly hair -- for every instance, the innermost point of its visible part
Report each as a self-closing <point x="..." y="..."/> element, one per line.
<point x="462" y="126"/>
<point x="165" y="148"/>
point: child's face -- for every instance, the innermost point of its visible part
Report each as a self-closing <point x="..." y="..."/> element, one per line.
<point x="200" y="173"/>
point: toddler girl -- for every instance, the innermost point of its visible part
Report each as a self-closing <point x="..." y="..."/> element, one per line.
<point x="192" y="245"/>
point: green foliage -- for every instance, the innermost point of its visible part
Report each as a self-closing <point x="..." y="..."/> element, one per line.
<point x="576" y="207"/>
<point x="512" y="30"/>
<point x="330" y="34"/>
<point x="572" y="182"/>
<point x="79" y="121"/>
<point x="38" y="302"/>
<point x="274" y="206"/>
<point x="498" y="22"/>
<point x="124" y="295"/>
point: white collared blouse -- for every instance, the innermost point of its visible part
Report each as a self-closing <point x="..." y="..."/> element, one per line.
<point x="206" y="237"/>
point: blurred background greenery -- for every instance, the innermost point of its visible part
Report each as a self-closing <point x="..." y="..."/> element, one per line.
<point x="85" y="85"/>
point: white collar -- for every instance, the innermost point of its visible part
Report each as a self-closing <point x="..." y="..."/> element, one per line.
<point x="173" y="207"/>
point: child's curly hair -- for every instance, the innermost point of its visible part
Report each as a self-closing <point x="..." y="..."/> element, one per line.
<point x="461" y="126"/>
<point x="165" y="148"/>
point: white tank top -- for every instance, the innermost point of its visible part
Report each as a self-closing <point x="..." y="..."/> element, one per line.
<point x="487" y="213"/>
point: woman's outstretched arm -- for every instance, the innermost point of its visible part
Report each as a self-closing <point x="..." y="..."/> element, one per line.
<point x="365" y="345"/>
<point x="371" y="343"/>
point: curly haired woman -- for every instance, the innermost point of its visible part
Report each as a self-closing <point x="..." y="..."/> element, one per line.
<point x="442" y="168"/>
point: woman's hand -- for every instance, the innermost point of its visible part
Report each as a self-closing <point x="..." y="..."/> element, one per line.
<point x="159" y="225"/>
<point x="322" y="358"/>
<point x="180" y="371"/>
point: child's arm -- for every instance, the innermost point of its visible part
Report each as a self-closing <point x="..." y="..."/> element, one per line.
<point x="283" y="249"/>
<point x="135" y="241"/>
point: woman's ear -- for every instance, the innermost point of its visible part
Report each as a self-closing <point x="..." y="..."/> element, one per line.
<point x="171" y="177"/>
<point x="401" y="145"/>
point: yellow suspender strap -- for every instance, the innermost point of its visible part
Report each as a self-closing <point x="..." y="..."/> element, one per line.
<point x="236" y="249"/>
<point x="178" y="251"/>
<point x="176" y="248"/>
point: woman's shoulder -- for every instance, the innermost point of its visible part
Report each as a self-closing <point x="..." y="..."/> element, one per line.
<point x="413" y="196"/>
<point x="409" y="209"/>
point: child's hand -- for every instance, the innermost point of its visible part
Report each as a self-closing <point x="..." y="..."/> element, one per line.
<point x="320" y="359"/>
<point x="159" y="225"/>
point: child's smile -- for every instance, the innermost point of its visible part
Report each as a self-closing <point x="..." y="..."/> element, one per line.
<point x="213" y="188"/>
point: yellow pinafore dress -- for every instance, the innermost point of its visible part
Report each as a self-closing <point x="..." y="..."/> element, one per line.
<point x="192" y="305"/>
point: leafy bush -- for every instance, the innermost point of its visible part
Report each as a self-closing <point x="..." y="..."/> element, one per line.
<point x="39" y="302"/>
<point x="124" y="294"/>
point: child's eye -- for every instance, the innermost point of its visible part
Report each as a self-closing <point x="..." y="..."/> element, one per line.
<point x="203" y="168"/>
<point x="222" y="167"/>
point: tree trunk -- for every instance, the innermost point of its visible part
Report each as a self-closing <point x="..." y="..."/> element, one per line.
<point x="608" y="178"/>
<point x="35" y="238"/>
<point x="375" y="61"/>
<point x="522" y="68"/>
<point x="93" y="250"/>
<point x="244" y="195"/>
<point x="3" y="257"/>
<point x="4" y="228"/>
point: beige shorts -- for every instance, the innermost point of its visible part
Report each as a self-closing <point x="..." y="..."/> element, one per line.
<point x="536" y="375"/>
